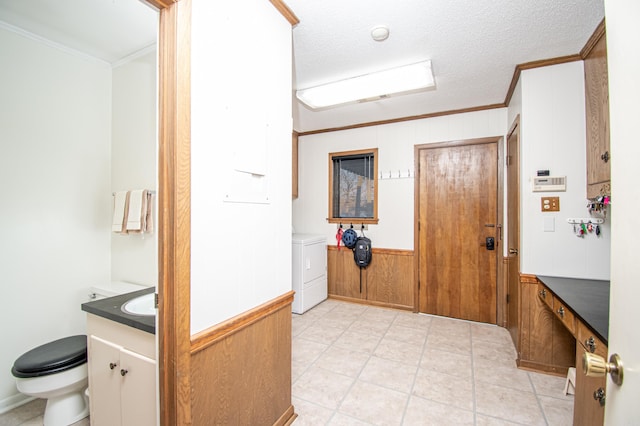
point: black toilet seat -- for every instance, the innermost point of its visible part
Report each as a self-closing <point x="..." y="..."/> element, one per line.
<point x="53" y="357"/>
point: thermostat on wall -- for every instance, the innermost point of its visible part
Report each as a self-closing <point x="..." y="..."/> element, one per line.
<point x="549" y="183"/>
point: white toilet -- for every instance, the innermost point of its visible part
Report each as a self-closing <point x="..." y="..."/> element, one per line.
<point x="57" y="372"/>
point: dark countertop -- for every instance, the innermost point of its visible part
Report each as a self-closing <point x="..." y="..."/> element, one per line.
<point x="588" y="299"/>
<point x="110" y="308"/>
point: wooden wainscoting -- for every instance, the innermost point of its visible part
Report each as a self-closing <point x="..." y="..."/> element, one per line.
<point x="544" y="343"/>
<point x="241" y="368"/>
<point x="387" y="281"/>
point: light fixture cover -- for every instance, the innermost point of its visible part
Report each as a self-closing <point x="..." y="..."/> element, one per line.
<point x="374" y="86"/>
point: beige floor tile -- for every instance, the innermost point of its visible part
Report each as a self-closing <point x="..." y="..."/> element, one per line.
<point x="396" y="350"/>
<point x="496" y="351"/>
<point x="449" y="343"/>
<point x="364" y="325"/>
<point x="332" y="319"/>
<point x="489" y="332"/>
<point x="444" y="388"/>
<point x="450" y="327"/>
<point x="363" y="342"/>
<point x="509" y="404"/>
<point x="389" y="374"/>
<point x="380" y="314"/>
<point x="322" y="387"/>
<point x="501" y="374"/>
<point x="406" y="319"/>
<point x="343" y="420"/>
<point x="407" y="334"/>
<point x="451" y="363"/>
<point x="482" y="420"/>
<point x="559" y="412"/>
<point x="421" y="412"/>
<point x="374" y="404"/>
<point x="549" y="385"/>
<point x="305" y="352"/>
<point x="31" y="411"/>
<point x="310" y="414"/>
<point x="319" y="334"/>
<point x="344" y="361"/>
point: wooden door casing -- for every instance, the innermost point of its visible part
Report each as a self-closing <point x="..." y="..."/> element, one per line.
<point x="457" y="210"/>
<point x="513" y="231"/>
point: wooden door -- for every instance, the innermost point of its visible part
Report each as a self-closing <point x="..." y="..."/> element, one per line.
<point x="513" y="231"/>
<point x="457" y="212"/>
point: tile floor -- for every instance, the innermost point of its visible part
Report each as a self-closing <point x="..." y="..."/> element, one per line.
<point x="30" y="414"/>
<point x="360" y="365"/>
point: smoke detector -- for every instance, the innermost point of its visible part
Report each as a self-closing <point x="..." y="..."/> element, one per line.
<point x="380" y="33"/>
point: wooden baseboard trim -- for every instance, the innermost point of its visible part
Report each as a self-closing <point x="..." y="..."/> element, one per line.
<point x="211" y="335"/>
<point x="287" y="417"/>
<point x="542" y="368"/>
<point x="371" y="303"/>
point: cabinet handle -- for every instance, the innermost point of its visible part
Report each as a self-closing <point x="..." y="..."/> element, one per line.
<point x="590" y="343"/>
<point x="123" y="372"/>
<point x="543" y="293"/>
<point x="561" y="312"/>
<point x="112" y="365"/>
<point x="605" y="157"/>
<point x="599" y="395"/>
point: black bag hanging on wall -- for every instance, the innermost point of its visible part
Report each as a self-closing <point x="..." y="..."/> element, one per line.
<point x="362" y="252"/>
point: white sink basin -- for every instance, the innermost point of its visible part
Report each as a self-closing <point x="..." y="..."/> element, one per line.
<point x="141" y="305"/>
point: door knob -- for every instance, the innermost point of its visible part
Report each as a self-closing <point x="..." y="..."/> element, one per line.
<point x="513" y="251"/>
<point x="595" y="366"/>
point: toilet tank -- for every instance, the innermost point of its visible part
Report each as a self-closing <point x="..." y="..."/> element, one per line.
<point x="113" y="288"/>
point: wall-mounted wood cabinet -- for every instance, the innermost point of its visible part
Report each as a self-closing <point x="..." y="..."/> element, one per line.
<point x="387" y="281"/>
<point x="597" y="119"/>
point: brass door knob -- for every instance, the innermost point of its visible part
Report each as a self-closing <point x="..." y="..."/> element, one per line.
<point x="595" y="366"/>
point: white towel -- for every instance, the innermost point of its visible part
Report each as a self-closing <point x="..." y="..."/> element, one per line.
<point x="119" y="203"/>
<point x="137" y="210"/>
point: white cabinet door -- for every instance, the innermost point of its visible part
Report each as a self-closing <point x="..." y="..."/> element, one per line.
<point x="104" y="382"/>
<point x="138" y="396"/>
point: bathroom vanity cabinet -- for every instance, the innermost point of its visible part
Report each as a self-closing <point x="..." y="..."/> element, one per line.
<point x="122" y="374"/>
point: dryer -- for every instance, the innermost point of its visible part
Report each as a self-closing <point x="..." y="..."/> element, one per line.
<point x="309" y="271"/>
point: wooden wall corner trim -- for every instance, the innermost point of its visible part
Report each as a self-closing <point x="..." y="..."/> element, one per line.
<point x="211" y="335"/>
<point x="594" y="39"/>
<point x="528" y="279"/>
<point x="286" y="12"/>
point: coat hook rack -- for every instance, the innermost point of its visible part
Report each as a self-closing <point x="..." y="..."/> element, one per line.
<point x="585" y="220"/>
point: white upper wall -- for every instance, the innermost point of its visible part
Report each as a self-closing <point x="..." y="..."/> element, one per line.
<point x="55" y="135"/>
<point x="134" y="148"/>
<point x="241" y="158"/>
<point x="395" y="143"/>
<point x="553" y="137"/>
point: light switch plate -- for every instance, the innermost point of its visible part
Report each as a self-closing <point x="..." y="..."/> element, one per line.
<point x="550" y="204"/>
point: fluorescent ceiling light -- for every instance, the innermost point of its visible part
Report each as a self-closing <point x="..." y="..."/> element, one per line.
<point x="369" y="87"/>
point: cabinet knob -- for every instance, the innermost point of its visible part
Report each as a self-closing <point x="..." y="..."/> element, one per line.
<point x="123" y="372"/>
<point x="605" y="157"/>
<point x="112" y="365"/>
<point x="590" y="343"/>
<point x="543" y="293"/>
<point x="599" y="396"/>
<point x="561" y="312"/>
<point x="595" y="366"/>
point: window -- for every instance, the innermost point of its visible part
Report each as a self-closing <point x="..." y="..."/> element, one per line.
<point x="353" y="186"/>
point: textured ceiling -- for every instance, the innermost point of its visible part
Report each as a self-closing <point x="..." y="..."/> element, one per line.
<point x="474" y="46"/>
